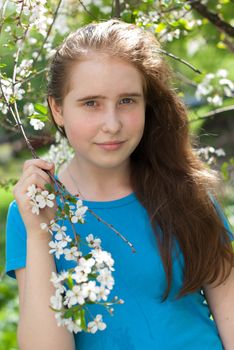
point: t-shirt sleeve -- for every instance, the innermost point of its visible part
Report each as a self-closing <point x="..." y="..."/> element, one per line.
<point x="16" y="238"/>
<point x="225" y="221"/>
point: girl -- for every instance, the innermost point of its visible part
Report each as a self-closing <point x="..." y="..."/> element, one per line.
<point x="109" y="93"/>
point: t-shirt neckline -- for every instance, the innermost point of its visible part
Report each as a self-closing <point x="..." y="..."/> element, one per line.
<point x="107" y="204"/>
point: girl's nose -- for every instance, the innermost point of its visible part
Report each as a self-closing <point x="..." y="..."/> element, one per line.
<point x="111" y="122"/>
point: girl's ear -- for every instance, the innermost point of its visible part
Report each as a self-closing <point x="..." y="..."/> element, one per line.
<point x="56" y="111"/>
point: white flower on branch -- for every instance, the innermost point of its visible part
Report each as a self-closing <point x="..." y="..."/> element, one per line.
<point x="214" y="87"/>
<point x="79" y="275"/>
<point x="105" y="278"/>
<point x="86" y="264"/>
<point x="79" y="213"/>
<point x="44" y="198"/>
<point x="90" y="290"/>
<point x="10" y="92"/>
<point x="57" y="248"/>
<point x="96" y="324"/>
<point x="61" y="152"/>
<point x="37" y="124"/>
<point x="103" y="293"/>
<point x="72" y="253"/>
<point x="28" y="109"/>
<point x="4" y="108"/>
<point x="60" y="232"/>
<point x="24" y="68"/>
<point x="93" y="243"/>
<point x="74" y="296"/>
<point x="39" y="199"/>
<point x="216" y="100"/>
<point x="103" y="257"/>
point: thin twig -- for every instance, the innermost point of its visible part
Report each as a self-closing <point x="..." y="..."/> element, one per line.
<point x="31" y="76"/>
<point x="179" y="59"/>
<point x="214" y="18"/>
<point x="112" y="228"/>
<point x="87" y="11"/>
<point x="215" y="113"/>
<point x="48" y="33"/>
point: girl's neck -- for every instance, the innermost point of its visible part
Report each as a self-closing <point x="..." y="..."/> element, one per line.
<point x="100" y="185"/>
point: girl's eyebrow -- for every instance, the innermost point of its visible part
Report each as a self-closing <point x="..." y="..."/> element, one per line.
<point x="93" y="97"/>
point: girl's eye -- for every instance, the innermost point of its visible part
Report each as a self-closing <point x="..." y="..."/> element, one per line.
<point x="127" y="100"/>
<point x="90" y="103"/>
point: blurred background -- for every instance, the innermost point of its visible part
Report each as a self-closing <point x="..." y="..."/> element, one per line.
<point x="199" y="32"/>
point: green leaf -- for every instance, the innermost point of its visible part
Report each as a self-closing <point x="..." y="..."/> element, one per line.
<point x="66" y="209"/>
<point x="88" y="256"/>
<point x="82" y="319"/>
<point x="41" y="117"/>
<point x="70" y="282"/>
<point x="68" y="313"/>
<point x="160" y="27"/>
<point x="49" y="188"/>
<point x="40" y="108"/>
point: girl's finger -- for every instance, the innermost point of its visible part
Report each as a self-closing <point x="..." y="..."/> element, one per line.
<point x="39" y="163"/>
<point x="32" y="169"/>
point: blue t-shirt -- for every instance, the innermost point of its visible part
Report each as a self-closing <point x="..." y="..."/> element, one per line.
<point x="142" y="321"/>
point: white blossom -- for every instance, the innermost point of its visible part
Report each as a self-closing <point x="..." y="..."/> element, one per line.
<point x="74" y="296"/>
<point x="60" y="152"/>
<point x="32" y="191"/>
<point x="79" y="213"/>
<point x="37" y="124"/>
<point x="93" y="243"/>
<point x="105" y="278"/>
<point x="71" y="253"/>
<point x="72" y="326"/>
<point x="28" y="109"/>
<point x="79" y="275"/>
<point x="60" y="231"/>
<point x="35" y="207"/>
<point x="103" y="293"/>
<point x="23" y="70"/>
<point x="216" y="100"/>
<point x="56" y="301"/>
<point x="57" y="248"/>
<point x="96" y="324"/>
<point x="90" y="290"/>
<point x="102" y="256"/>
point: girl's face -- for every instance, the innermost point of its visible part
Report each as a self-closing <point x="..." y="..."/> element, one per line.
<point x="105" y="103"/>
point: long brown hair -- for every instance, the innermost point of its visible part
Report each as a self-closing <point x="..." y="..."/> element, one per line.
<point x="167" y="176"/>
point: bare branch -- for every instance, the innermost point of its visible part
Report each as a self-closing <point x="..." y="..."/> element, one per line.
<point x="117" y="9"/>
<point x="48" y="33"/>
<point x="180" y="60"/>
<point x="214" y="18"/>
<point x="215" y="113"/>
<point x="87" y="11"/>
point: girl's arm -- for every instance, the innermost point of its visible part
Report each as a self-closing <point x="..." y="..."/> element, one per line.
<point x="37" y="327"/>
<point x="221" y="303"/>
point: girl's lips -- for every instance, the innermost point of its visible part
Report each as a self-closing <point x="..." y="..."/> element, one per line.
<point x="110" y="146"/>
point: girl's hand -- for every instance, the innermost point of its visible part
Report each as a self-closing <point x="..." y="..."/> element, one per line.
<point x="34" y="173"/>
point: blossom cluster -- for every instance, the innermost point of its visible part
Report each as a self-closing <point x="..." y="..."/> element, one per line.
<point x="39" y="198"/>
<point x="10" y="93"/>
<point x="36" y="12"/>
<point x="60" y="152"/>
<point x="209" y="154"/>
<point x="90" y="282"/>
<point x="214" y="86"/>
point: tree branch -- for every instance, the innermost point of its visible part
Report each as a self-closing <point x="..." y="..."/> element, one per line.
<point x="215" y="113"/>
<point x="214" y="18"/>
<point x="117" y="9"/>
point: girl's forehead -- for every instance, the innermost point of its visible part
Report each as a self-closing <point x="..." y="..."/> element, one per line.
<point x="106" y="73"/>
